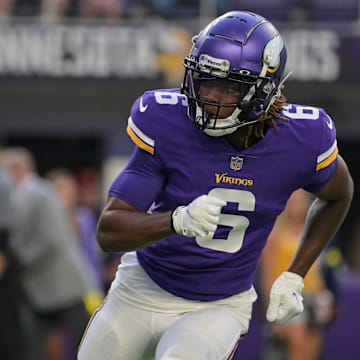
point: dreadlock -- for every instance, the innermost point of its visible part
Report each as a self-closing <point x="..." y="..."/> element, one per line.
<point x="266" y="121"/>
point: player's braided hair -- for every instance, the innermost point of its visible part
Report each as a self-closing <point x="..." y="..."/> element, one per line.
<point x="268" y="120"/>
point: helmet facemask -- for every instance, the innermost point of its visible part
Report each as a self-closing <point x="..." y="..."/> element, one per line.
<point x="255" y="96"/>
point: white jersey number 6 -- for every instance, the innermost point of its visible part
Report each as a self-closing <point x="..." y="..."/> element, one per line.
<point x="246" y="202"/>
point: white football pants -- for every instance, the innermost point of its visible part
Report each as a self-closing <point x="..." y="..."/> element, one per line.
<point x="120" y="331"/>
<point x="125" y="330"/>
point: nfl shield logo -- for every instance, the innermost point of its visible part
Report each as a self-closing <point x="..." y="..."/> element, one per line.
<point x="236" y="163"/>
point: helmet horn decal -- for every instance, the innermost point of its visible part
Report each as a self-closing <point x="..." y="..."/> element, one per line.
<point x="272" y="53"/>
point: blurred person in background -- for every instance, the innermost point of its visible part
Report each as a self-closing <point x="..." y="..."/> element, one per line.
<point x="90" y="189"/>
<point x="55" y="9"/>
<point x="172" y="9"/>
<point x="354" y="253"/>
<point x="302" y="337"/>
<point x="6" y="8"/>
<point x="27" y="8"/>
<point x="90" y="198"/>
<point x="82" y="220"/>
<point x="103" y="9"/>
<point x="54" y="274"/>
<point x="11" y="334"/>
<point x="214" y="164"/>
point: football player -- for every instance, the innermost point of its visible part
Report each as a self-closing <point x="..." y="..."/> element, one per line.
<point x="213" y="166"/>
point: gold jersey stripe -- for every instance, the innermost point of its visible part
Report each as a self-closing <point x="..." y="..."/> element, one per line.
<point x="146" y="139"/>
<point x="141" y="144"/>
<point x="326" y="162"/>
<point x="327" y="153"/>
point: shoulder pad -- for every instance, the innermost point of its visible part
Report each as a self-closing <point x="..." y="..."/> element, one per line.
<point x="318" y="130"/>
<point x="140" y="126"/>
<point x="151" y="114"/>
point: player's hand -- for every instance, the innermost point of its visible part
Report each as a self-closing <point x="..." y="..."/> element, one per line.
<point x="199" y="218"/>
<point x="285" y="298"/>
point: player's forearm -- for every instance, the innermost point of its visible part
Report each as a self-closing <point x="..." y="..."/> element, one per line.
<point x="323" y="221"/>
<point x="124" y="230"/>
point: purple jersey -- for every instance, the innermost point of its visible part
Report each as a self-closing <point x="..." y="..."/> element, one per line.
<point x="174" y="162"/>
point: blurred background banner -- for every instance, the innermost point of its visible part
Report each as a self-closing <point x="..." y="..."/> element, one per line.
<point x="80" y="51"/>
<point x="152" y="49"/>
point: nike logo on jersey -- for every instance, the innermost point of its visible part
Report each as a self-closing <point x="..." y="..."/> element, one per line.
<point x="142" y="107"/>
<point x="329" y="123"/>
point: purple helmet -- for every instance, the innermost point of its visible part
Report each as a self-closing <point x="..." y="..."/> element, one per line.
<point x="245" y="50"/>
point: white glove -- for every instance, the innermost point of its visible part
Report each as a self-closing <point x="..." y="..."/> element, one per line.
<point x="285" y="298"/>
<point x="199" y="218"/>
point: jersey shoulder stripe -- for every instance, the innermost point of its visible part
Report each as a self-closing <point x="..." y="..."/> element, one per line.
<point x="143" y="141"/>
<point x="327" y="157"/>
